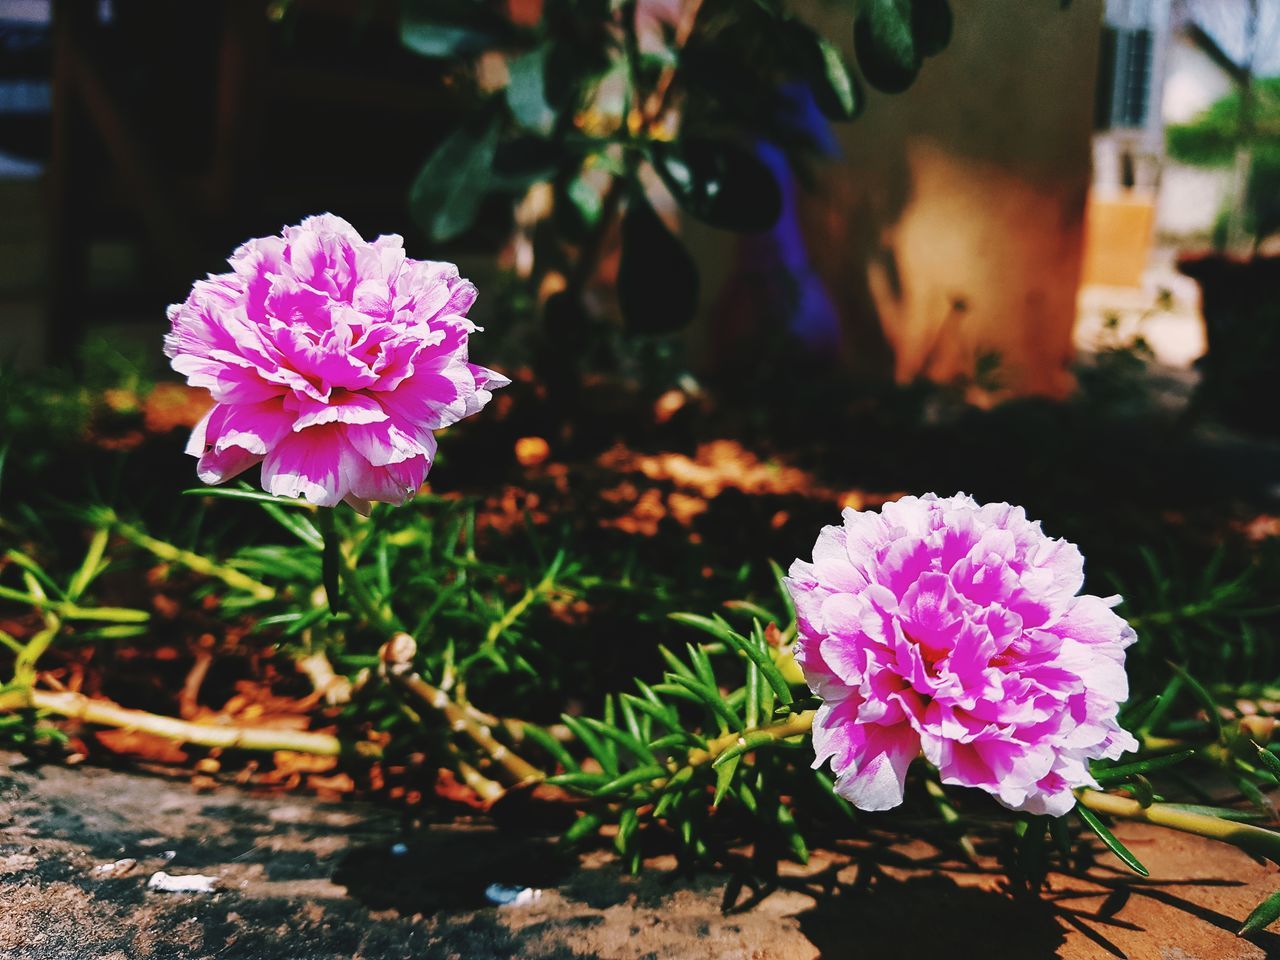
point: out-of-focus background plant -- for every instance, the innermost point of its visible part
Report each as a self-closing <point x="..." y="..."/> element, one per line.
<point x="1243" y="127"/>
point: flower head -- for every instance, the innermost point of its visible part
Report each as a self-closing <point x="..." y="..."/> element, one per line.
<point x="956" y="629"/>
<point x="331" y="361"/>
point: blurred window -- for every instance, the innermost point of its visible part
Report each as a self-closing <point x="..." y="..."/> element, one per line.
<point x="1125" y="64"/>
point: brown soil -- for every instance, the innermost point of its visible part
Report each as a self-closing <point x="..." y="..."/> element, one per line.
<point x="307" y="880"/>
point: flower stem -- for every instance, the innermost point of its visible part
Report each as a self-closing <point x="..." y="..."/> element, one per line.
<point x="1255" y="840"/>
<point x="331" y="559"/>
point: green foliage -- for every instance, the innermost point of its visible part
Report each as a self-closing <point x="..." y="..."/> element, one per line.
<point x="1109" y="840"/>
<point x="719" y="182"/>
<point x="451" y="28"/>
<point x="1213" y="138"/>
<point x="1263" y="915"/>
<point x="723" y="722"/>
<point x="892" y="38"/>
<point x="447" y="193"/>
<point x="1213" y="620"/>
<point x="594" y="98"/>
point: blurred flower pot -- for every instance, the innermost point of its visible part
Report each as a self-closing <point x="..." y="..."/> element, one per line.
<point x="1241" y="368"/>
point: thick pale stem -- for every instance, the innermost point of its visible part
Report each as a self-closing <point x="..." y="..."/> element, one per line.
<point x="75" y="706"/>
<point x="518" y="769"/>
<point x="1256" y="840"/>
<point x="486" y="789"/>
<point x="794" y="725"/>
<point x="397" y="665"/>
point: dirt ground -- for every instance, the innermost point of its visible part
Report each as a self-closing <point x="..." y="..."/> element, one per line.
<point x="306" y="880"/>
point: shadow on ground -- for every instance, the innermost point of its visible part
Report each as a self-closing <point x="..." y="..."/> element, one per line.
<point x="306" y="880"/>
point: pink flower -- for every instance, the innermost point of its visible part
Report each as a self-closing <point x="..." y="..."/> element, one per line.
<point x="332" y="360"/>
<point x="944" y="626"/>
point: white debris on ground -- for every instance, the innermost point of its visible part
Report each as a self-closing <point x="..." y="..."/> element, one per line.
<point x="507" y="896"/>
<point x="116" y="869"/>
<point x="193" y="883"/>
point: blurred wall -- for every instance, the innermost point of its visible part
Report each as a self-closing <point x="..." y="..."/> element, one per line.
<point x="950" y="232"/>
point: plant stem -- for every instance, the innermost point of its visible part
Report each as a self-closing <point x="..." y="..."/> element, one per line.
<point x="488" y="790"/>
<point x="79" y="707"/>
<point x="70" y="611"/>
<point x="194" y="562"/>
<point x="517" y="768"/>
<point x="795" y="724"/>
<point x="1255" y="840"/>
<point x="331" y="559"/>
<point x="397" y="655"/>
<point x="517" y="609"/>
<point x="379" y="615"/>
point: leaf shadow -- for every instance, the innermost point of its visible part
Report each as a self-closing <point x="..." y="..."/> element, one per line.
<point x="929" y="915"/>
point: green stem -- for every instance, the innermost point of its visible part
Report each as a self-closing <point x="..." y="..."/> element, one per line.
<point x="70" y="611"/>
<point x="794" y="725"/>
<point x="377" y="614"/>
<point x="517" y="609"/>
<point x="195" y="562"/>
<point x="331" y="558"/>
<point x="1255" y="840"/>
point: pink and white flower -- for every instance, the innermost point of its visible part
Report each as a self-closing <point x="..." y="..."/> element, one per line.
<point x="955" y="629"/>
<point x="331" y="361"/>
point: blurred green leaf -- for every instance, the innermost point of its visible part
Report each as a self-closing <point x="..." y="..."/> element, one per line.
<point x="1268" y="760"/>
<point x="632" y="778"/>
<point x="526" y="92"/>
<point x="724" y="779"/>
<point x="1121" y="771"/>
<point x="450" y="28"/>
<point x="1198" y="691"/>
<point x="233" y="493"/>
<point x="820" y="64"/>
<point x="891" y="38"/>
<point x="720" y="183"/>
<point x="446" y="195"/>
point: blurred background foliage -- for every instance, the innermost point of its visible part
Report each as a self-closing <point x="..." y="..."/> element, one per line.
<point x="1229" y="126"/>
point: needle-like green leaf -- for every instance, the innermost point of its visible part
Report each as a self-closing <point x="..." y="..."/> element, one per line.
<point x="1107" y="837"/>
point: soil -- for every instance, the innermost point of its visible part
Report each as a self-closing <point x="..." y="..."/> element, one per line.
<point x="308" y="880"/>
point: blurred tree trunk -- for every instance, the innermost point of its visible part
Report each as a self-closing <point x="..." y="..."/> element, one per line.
<point x="952" y="227"/>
